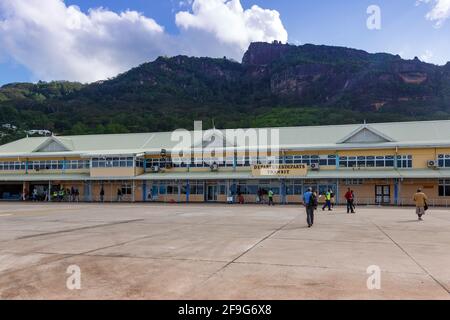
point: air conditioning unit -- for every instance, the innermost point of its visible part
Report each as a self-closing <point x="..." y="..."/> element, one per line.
<point x="163" y="153"/>
<point x="214" y="167"/>
<point x="315" y="166"/>
<point x="155" y="169"/>
<point x="432" y="164"/>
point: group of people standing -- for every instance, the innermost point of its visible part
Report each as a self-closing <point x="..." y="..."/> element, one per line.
<point x="61" y="194"/>
<point x="310" y="200"/>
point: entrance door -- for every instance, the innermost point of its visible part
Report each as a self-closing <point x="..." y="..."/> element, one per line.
<point x="212" y="192"/>
<point x="383" y="194"/>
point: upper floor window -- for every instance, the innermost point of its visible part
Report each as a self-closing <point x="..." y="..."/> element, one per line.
<point x="444" y="160"/>
<point x="77" y="164"/>
<point x="139" y="163"/>
<point x="353" y="182"/>
<point x="404" y="161"/>
<point x="12" y="165"/>
<point x="46" y="165"/>
<point x="367" y="161"/>
<point x="325" y="160"/>
<point x="112" y="162"/>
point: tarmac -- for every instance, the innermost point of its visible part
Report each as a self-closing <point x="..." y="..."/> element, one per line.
<point x="219" y="251"/>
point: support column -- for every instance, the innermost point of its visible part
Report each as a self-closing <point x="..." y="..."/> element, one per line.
<point x="283" y="191"/>
<point x="179" y="191"/>
<point x="144" y="190"/>
<point x="133" y="191"/>
<point x="336" y="195"/>
<point x="88" y="196"/>
<point x="49" y="191"/>
<point x="397" y="199"/>
<point x="188" y="190"/>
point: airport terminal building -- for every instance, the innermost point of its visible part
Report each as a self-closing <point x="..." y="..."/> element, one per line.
<point x="383" y="163"/>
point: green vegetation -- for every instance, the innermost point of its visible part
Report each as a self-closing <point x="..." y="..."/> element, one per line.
<point x="306" y="85"/>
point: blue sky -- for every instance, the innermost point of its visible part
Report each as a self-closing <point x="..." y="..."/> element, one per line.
<point x="405" y="30"/>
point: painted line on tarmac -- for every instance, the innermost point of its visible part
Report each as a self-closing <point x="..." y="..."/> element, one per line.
<point x="6" y="215"/>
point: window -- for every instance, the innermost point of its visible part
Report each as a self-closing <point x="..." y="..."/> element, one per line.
<point x="77" y="164"/>
<point x="196" y="187"/>
<point x="112" y="162"/>
<point x="46" y="165"/>
<point x="444" y="160"/>
<point x="294" y="188"/>
<point x="404" y="161"/>
<point x="367" y="161"/>
<point x="444" y="188"/>
<point x="326" y="160"/>
<point x="126" y="188"/>
<point x="139" y="162"/>
<point x="11" y="166"/>
<point x="172" y="188"/>
<point x="329" y="160"/>
<point x="353" y="182"/>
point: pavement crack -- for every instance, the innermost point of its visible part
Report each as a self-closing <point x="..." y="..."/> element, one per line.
<point x="412" y="258"/>
<point x="77" y="229"/>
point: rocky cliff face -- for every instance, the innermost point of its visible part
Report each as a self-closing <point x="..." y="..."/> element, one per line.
<point x="312" y="74"/>
<point x="335" y="85"/>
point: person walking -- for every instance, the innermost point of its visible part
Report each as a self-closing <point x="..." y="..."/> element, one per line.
<point x="259" y="196"/>
<point x="72" y="193"/>
<point x="270" y="195"/>
<point x="310" y="202"/>
<point x="102" y="195"/>
<point x="349" y="197"/>
<point x="327" y="200"/>
<point x="119" y="195"/>
<point x="420" y="200"/>
<point x="34" y="195"/>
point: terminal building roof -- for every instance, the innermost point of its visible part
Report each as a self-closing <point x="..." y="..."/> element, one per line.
<point x="337" y="137"/>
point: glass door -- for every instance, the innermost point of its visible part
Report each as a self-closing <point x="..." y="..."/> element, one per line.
<point x="212" y="192"/>
<point x="383" y="194"/>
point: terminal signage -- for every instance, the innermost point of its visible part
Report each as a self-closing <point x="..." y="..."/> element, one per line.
<point x="280" y="170"/>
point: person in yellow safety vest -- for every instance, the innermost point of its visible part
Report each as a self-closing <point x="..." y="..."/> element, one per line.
<point x="55" y="195"/>
<point x="327" y="200"/>
<point x="270" y="194"/>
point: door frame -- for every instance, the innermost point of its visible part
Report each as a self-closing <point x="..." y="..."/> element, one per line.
<point x="383" y="195"/>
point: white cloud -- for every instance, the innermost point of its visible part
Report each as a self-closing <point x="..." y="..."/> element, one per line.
<point x="440" y="11"/>
<point x="55" y="41"/>
<point x="427" y="56"/>
<point x="231" y="24"/>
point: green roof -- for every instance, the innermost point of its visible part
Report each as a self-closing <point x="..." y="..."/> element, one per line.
<point x="423" y="133"/>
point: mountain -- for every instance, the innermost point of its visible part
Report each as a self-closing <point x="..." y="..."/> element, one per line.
<point x="275" y="85"/>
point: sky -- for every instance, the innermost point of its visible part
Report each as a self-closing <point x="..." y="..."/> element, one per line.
<point x="90" y="40"/>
